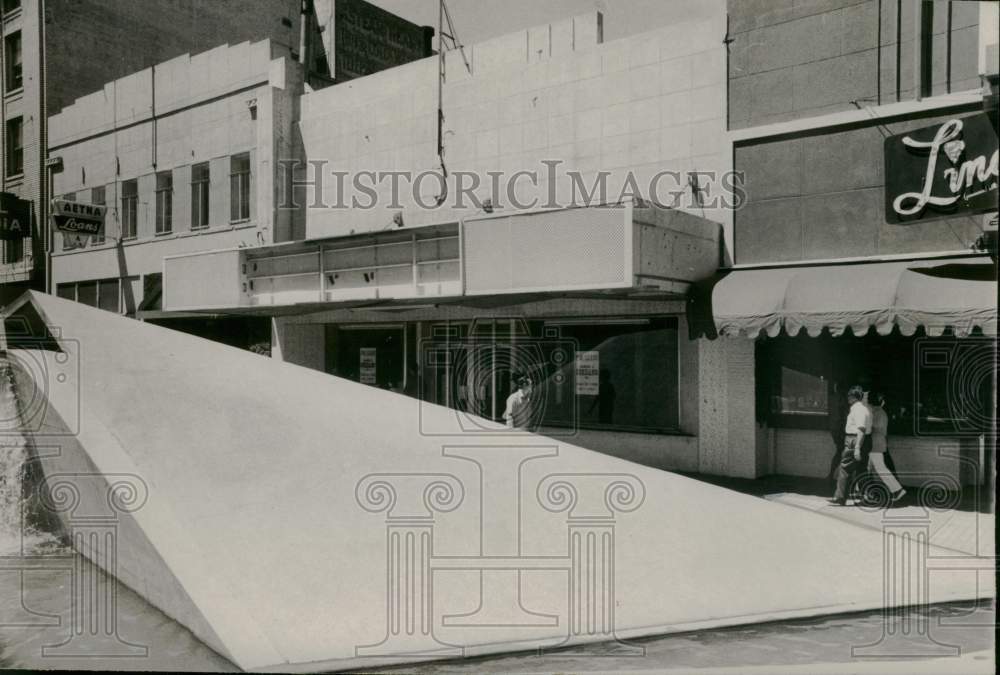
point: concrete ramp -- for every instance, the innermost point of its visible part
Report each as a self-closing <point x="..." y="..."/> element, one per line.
<point x="297" y="521"/>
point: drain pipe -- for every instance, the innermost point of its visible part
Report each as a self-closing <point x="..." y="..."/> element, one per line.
<point x="44" y="173"/>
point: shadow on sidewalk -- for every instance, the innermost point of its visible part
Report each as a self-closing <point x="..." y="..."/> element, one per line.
<point x="973" y="499"/>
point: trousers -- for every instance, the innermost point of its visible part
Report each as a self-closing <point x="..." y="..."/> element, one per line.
<point x="850" y="468"/>
<point x="878" y="465"/>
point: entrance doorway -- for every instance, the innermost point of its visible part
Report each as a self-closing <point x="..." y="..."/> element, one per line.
<point x="471" y="366"/>
<point x="373" y="355"/>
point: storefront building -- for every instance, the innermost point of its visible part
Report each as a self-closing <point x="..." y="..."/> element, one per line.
<point x="863" y="254"/>
<point x="447" y="302"/>
<point x="121" y="38"/>
<point x="181" y="157"/>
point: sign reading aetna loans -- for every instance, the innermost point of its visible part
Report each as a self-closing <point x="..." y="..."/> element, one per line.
<point x="78" y="217"/>
<point x="941" y="171"/>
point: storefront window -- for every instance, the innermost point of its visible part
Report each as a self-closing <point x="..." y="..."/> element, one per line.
<point x="802" y="393"/>
<point x="799" y="378"/>
<point x="932" y="386"/>
<point x="620" y="374"/>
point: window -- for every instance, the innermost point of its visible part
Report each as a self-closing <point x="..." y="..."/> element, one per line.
<point x="108" y="295"/>
<point x="66" y="291"/>
<point x="164" y="202"/>
<point x="800" y="380"/>
<point x="239" y="187"/>
<point x="13" y="75"/>
<point x="915" y="373"/>
<point x="199" y="195"/>
<point x="15" y="147"/>
<point x="10" y="5"/>
<point x="130" y="208"/>
<point x="13" y="251"/>
<point x="86" y="293"/>
<point x="104" y="293"/>
<point x="614" y="374"/>
<point x="97" y="197"/>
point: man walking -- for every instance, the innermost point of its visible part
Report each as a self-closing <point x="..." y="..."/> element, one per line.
<point x="857" y="426"/>
<point x="518" y="412"/>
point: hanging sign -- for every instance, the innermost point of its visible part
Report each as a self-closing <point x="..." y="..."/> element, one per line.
<point x="78" y="217"/>
<point x="941" y="171"/>
<point x="15" y="217"/>
<point x="368" y="361"/>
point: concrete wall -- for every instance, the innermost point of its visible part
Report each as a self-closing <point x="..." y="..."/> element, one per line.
<point x="301" y="344"/>
<point x="648" y="103"/>
<point x="793" y="60"/>
<point x="727" y="433"/>
<point x="822" y="196"/>
<point x="191" y="109"/>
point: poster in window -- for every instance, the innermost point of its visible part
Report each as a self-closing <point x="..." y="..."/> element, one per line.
<point x="368" y="360"/>
<point x="588" y="373"/>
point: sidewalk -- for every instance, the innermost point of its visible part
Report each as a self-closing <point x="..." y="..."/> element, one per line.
<point x="959" y="522"/>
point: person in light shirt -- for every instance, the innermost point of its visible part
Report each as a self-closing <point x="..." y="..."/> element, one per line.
<point x="517" y="414"/>
<point x="880" y="433"/>
<point x="856" y="430"/>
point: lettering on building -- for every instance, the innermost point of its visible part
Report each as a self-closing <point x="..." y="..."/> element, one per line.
<point x="941" y="171"/>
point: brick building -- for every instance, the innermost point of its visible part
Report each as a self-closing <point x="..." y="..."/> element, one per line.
<point x="74" y="47"/>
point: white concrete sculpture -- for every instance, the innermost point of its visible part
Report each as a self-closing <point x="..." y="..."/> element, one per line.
<point x="297" y="521"/>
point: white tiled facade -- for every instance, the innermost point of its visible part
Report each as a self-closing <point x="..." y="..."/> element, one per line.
<point x="193" y="109"/>
<point x="648" y="103"/>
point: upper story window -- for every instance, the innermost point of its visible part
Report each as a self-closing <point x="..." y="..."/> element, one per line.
<point x="13" y="75"/>
<point x="164" y="202"/>
<point x="97" y="197"/>
<point x="11" y="5"/>
<point x="239" y="187"/>
<point x="15" y="147"/>
<point x="199" y="195"/>
<point x="130" y="208"/>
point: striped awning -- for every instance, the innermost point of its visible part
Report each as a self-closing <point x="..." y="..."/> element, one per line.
<point x="957" y="294"/>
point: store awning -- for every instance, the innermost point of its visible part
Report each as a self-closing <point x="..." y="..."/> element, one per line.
<point x="958" y="294"/>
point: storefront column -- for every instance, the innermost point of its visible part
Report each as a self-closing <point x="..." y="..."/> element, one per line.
<point x="727" y="434"/>
<point x="300" y="343"/>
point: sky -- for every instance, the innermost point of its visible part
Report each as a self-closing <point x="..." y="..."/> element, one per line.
<point x="478" y="20"/>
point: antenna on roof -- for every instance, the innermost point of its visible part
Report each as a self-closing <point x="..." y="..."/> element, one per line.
<point x="447" y="41"/>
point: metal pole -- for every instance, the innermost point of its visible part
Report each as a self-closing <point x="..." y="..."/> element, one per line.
<point x="918" y="44"/>
<point x="45" y="172"/>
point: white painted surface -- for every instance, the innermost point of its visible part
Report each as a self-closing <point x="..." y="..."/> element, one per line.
<point x="252" y="467"/>
<point x="648" y="103"/>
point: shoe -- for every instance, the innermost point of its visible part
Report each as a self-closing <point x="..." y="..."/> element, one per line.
<point x="898" y="495"/>
<point x="837" y="502"/>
